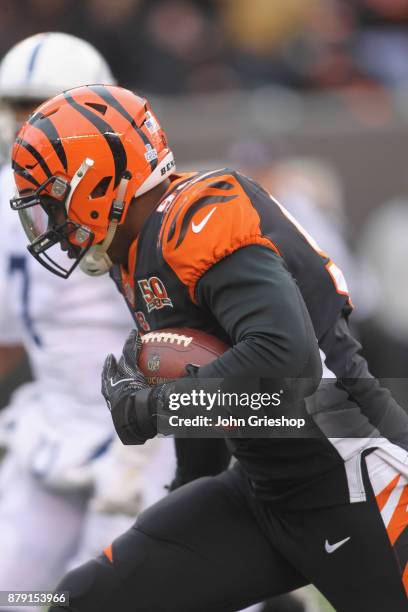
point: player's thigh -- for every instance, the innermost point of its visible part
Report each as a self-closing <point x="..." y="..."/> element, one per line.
<point x="208" y="535"/>
<point x="198" y="549"/>
<point x="358" y="553"/>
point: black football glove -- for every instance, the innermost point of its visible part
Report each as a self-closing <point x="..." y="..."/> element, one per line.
<point x="126" y="392"/>
<point x="135" y="407"/>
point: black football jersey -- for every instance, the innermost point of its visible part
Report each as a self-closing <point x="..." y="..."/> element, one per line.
<point x="208" y="220"/>
<point x="203" y="218"/>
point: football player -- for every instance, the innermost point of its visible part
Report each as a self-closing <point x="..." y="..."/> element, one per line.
<point x="64" y="487"/>
<point x="214" y="251"/>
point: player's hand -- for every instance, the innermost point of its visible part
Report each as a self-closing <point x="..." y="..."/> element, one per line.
<point x="123" y="377"/>
<point x="126" y="392"/>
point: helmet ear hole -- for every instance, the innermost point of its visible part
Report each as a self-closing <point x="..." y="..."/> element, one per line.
<point x="100" y="108"/>
<point x="49" y="113"/>
<point x="101" y="188"/>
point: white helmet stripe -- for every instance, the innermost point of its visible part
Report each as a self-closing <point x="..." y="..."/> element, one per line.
<point x="164" y="168"/>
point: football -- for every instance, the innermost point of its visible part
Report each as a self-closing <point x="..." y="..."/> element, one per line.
<point x="166" y="352"/>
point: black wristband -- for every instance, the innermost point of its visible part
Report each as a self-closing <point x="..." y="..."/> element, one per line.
<point x="134" y="423"/>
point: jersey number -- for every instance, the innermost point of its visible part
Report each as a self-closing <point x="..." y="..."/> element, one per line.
<point x="334" y="271"/>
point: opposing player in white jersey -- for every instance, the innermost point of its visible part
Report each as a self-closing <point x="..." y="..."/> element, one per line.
<point x="59" y="501"/>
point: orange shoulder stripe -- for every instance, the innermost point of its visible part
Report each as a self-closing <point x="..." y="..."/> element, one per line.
<point x="212" y="218"/>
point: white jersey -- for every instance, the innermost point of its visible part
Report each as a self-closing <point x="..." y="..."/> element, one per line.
<point x="67" y="327"/>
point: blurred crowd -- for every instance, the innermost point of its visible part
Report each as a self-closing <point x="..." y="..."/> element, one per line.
<point x="179" y="46"/>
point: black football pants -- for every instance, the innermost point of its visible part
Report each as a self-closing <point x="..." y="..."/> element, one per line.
<point x="209" y="547"/>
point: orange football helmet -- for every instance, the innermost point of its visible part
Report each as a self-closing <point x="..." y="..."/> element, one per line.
<point x="78" y="161"/>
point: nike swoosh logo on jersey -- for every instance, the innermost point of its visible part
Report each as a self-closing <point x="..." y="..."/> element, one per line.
<point x="197" y="228"/>
<point x="330" y="548"/>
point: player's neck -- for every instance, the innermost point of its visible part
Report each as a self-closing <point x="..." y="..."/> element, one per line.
<point x="139" y="210"/>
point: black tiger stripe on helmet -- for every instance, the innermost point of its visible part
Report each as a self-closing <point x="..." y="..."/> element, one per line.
<point x="45" y="125"/>
<point x="24" y="173"/>
<point x="112" y="139"/>
<point x="37" y="156"/>
<point x="104" y="93"/>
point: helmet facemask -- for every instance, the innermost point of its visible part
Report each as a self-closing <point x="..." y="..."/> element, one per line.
<point x="44" y="218"/>
<point x="55" y="240"/>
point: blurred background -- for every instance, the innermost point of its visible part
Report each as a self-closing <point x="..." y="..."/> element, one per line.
<point x="310" y="97"/>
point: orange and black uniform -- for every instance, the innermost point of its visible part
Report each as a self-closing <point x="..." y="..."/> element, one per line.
<point x="219" y="254"/>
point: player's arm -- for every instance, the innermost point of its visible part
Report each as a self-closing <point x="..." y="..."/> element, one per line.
<point x="256" y="301"/>
<point x="252" y="336"/>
